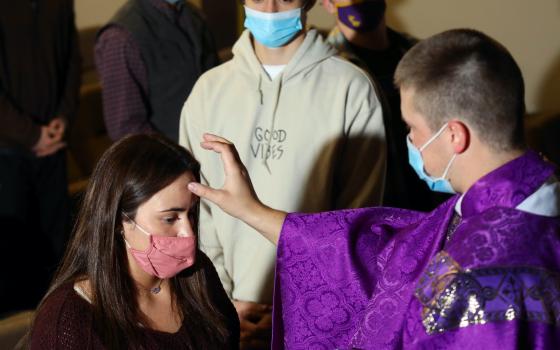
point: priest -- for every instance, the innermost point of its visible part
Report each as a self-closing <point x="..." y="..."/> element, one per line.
<point x="480" y="271"/>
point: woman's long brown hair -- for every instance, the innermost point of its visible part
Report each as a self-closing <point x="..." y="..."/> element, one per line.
<point x="127" y="175"/>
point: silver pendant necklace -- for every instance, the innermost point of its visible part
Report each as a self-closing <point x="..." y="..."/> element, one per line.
<point x="157" y="289"/>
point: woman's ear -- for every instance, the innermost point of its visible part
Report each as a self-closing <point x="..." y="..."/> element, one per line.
<point x="127" y="223"/>
<point x="460" y="136"/>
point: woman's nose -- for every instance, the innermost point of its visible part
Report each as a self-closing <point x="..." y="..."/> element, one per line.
<point x="186" y="229"/>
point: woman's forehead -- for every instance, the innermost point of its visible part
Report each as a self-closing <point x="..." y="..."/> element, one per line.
<point x="174" y="195"/>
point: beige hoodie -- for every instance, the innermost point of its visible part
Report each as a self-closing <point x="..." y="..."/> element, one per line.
<point x="312" y="139"/>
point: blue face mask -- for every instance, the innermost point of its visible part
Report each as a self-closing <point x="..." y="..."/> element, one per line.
<point x="440" y="184"/>
<point x="173" y="2"/>
<point x="273" y="29"/>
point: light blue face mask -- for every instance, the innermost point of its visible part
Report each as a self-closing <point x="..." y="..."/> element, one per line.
<point x="440" y="184"/>
<point x="273" y="29"/>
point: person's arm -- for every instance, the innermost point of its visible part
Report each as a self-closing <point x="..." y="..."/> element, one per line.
<point x="237" y="197"/>
<point x="68" y="105"/>
<point x="17" y="126"/>
<point x="360" y="173"/>
<point x="124" y="83"/>
<point x="20" y="129"/>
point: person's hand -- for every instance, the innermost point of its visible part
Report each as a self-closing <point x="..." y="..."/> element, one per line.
<point x="256" y="324"/>
<point x="57" y="128"/>
<point x="237" y="197"/>
<point x="50" y="139"/>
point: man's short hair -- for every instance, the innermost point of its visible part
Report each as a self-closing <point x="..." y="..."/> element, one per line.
<point x="467" y="75"/>
<point x="307" y="4"/>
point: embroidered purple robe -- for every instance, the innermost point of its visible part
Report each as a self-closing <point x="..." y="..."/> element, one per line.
<point x="384" y="278"/>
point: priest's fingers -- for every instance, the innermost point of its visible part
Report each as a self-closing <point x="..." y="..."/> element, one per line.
<point x="203" y="191"/>
<point x="237" y="189"/>
<point x="212" y="137"/>
<point x="230" y="157"/>
<point x="236" y="198"/>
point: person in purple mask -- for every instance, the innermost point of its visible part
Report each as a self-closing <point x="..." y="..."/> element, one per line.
<point x="481" y="271"/>
<point x="362" y="36"/>
<point x="133" y="276"/>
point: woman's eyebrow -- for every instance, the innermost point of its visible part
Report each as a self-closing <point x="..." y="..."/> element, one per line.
<point x="181" y="209"/>
<point x="173" y="209"/>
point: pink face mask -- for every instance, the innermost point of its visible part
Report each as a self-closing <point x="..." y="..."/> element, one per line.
<point x="166" y="256"/>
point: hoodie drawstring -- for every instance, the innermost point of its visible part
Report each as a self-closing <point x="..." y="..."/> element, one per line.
<point x="259" y="89"/>
<point x="277" y="92"/>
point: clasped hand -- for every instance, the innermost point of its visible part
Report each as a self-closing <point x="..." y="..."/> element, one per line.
<point x="50" y="139"/>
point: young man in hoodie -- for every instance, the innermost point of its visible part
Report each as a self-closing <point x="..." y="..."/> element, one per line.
<point x="309" y="127"/>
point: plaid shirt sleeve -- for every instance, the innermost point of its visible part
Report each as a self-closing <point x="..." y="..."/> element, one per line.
<point x="124" y="83"/>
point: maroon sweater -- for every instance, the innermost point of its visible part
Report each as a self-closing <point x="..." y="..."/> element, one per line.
<point x="66" y="322"/>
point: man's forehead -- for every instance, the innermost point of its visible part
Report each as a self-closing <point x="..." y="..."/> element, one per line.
<point x="406" y="93"/>
<point x="408" y="107"/>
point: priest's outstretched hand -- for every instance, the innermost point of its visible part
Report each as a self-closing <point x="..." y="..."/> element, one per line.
<point x="237" y="196"/>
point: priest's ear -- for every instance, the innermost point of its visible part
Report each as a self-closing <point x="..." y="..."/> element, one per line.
<point x="460" y="135"/>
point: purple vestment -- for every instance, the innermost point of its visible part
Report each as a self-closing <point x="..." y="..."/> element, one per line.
<point x="384" y="278"/>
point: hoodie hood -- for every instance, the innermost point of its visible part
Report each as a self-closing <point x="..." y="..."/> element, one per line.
<point x="312" y="51"/>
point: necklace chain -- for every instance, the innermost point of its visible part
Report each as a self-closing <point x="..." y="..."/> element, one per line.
<point x="157" y="289"/>
<point x="153" y="290"/>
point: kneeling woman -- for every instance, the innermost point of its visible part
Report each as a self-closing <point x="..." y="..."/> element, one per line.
<point x="132" y="276"/>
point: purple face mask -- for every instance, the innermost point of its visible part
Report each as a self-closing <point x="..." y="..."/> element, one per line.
<point x="361" y="15"/>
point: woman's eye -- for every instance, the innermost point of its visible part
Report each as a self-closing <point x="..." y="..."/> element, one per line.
<point x="170" y="220"/>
